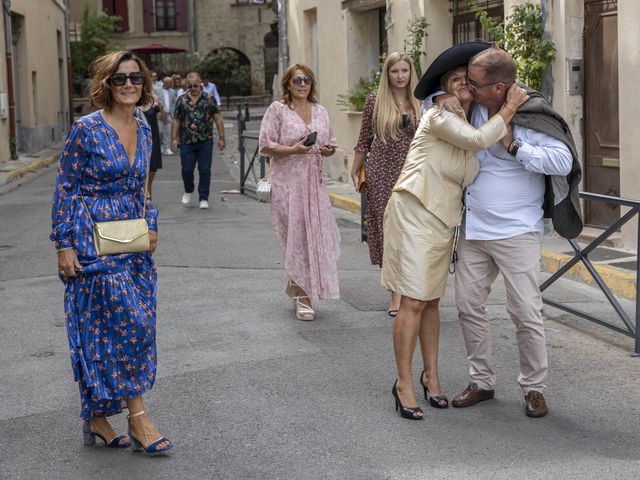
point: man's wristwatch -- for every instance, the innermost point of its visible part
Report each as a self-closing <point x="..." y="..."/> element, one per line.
<point x="514" y="146"/>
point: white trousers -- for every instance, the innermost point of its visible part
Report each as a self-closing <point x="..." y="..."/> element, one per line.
<point x="518" y="259"/>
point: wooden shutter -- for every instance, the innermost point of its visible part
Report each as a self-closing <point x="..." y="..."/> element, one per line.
<point x="107" y="6"/>
<point x="122" y="11"/>
<point x="148" y="16"/>
<point x="182" y="15"/>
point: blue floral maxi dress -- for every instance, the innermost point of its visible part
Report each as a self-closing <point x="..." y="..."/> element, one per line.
<point x="110" y="307"/>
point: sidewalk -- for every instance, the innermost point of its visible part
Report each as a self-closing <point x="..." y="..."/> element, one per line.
<point x="13" y="170"/>
<point x="616" y="266"/>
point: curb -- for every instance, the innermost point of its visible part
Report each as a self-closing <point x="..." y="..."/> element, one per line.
<point x="345" y="203"/>
<point x="620" y="283"/>
<point x="14" y="175"/>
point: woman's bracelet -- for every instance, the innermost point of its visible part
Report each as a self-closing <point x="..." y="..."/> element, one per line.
<point x="60" y="250"/>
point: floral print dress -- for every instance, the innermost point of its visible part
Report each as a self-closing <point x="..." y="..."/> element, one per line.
<point x="110" y="307"/>
<point x="382" y="170"/>
<point x="302" y="218"/>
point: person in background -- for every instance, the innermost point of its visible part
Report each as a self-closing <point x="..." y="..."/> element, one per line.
<point x="300" y="208"/>
<point x="389" y="122"/>
<point x="211" y="89"/>
<point x="109" y="301"/>
<point x="194" y="116"/>
<point x="177" y="84"/>
<point x="167" y="97"/>
<point x="153" y="112"/>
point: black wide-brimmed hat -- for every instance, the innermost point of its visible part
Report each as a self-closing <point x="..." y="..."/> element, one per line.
<point x="449" y="59"/>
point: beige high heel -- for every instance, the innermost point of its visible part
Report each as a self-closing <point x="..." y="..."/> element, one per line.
<point x="303" y="311"/>
<point x="290" y="289"/>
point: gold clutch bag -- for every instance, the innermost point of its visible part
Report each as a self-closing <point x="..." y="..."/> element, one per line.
<point x="362" y="179"/>
<point x="121" y="236"/>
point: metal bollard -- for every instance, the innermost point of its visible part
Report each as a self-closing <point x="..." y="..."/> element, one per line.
<point x="246" y="111"/>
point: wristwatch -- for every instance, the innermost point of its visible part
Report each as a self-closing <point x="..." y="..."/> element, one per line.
<point x="514" y="146"/>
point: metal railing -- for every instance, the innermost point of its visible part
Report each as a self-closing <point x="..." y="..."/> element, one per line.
<point x="250" y="168"/>
<point x="630" y="328"/>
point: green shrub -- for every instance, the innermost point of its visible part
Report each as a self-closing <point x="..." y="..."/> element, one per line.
<point x="523" y="36"/>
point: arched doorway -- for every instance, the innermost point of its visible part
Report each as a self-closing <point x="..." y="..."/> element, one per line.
<point x="270" y="57"/>
<point x="229" y="69"/>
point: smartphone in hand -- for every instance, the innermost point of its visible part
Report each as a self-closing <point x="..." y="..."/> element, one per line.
<point x="310" y="139"/>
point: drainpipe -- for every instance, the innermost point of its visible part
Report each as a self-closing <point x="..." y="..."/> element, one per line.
<point x="194" y="26"/>
<point x="283" y="45"/>
<point x="547" y="76"/>
<point x="69" y="66"/>
<point x="8" y="44"/>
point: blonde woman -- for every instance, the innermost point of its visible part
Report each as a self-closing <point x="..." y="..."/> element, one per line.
<point x="388" y="124"/>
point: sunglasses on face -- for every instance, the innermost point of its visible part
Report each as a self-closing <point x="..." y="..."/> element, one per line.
<point x="192" y="85"/>
<point x="297" y="80"/>
<point x="119" y="79"/>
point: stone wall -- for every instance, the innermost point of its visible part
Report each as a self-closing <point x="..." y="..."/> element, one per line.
<point x="222" y="24"/>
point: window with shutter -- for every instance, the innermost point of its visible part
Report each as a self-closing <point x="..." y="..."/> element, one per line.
<point x="148" y="16"/>
<point x="466" y="27"/>
<point x="165" y="15"/>
<point x="119" y="8"/>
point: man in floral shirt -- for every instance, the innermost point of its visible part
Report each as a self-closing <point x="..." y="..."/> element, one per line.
<point x="195" y="113"/>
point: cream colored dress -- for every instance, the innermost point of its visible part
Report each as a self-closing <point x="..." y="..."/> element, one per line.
<point x="426" y="202"/>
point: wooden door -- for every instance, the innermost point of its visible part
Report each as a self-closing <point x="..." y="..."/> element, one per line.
<point x="601" y="134"/>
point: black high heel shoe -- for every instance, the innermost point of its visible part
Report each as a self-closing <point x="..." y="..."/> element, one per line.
<point x="410" y="413"/>
<point x="89" y="438"/>
<point x="435" y="402"/>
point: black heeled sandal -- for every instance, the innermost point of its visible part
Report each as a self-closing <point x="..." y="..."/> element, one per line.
<point x="154" y="447"/>
<point x="409" y="413"/>
<point x="89" y="438"/>
<point x="435" y="402"/>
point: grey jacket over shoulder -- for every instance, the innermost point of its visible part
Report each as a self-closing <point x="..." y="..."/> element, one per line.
<point x="562" y="195"/>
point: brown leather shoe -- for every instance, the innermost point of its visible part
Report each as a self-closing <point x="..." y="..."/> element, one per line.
<point x="473" y="394"/>
<point x="536" y="405"/>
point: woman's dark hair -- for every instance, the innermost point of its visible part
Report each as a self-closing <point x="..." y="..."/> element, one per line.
<point x="103" y="67"/>
<point x="286" y="79"/>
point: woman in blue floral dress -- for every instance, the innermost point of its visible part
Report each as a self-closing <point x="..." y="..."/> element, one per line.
<point x="110" y="301"/>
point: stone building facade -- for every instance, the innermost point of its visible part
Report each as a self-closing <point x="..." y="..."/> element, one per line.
<point x="197" y="26"/>
<point x="591" y="82"/>
<point x="34" y="34"/>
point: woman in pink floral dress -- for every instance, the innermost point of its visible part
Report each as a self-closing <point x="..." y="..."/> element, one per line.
<point x="302" y="218"/>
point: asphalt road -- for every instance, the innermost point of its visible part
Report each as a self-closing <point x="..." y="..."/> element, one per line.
<point x="246" y="391"/>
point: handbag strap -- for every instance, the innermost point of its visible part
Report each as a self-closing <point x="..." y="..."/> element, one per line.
<point x="144" y="204"/>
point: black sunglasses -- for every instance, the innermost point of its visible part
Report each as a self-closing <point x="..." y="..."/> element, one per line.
<point x="119" y="79"/>
<point x="297" y="80"/>
<point x="192" y="85"/>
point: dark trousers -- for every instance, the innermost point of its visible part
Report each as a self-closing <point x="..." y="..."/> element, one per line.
<point x="200" y="154"/>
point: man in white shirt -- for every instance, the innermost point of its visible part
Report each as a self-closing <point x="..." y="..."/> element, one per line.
<point x="502" y="232"/>
<point x="211" y="89"/>
<point x="167" y="96"/>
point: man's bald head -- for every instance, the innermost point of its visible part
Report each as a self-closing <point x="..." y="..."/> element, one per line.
<point x="193" y="77"/>
<point x="497" y="64"/>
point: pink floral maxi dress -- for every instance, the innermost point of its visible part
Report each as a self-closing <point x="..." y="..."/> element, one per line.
<point x="302" y="218"/>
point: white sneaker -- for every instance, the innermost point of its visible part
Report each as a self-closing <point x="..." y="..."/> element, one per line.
<point x="168" y="151"/>
<point x="204" y="204"/>
<point x="186" y="198"/>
